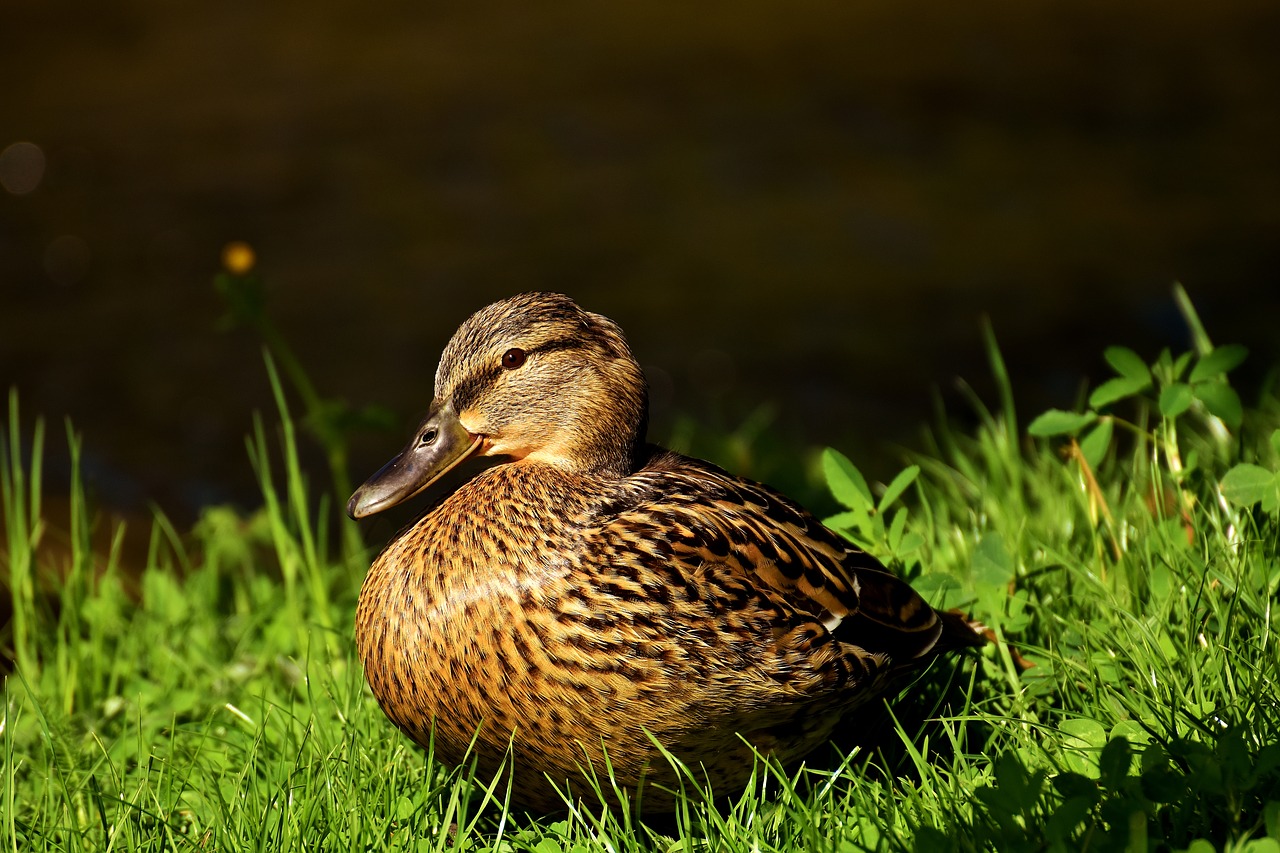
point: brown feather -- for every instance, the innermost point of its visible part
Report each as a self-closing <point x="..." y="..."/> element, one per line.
<point x="598" y="593"/>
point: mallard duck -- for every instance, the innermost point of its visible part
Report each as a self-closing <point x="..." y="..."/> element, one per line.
<point x="594" y="594"/>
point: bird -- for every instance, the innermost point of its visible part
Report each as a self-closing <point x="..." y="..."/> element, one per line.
<point x="593" y="606"/>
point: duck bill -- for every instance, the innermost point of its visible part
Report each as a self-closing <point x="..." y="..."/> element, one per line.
<point x="439" y="445"/>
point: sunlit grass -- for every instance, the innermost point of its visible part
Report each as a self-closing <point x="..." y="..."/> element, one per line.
<point x="211" y="700"/>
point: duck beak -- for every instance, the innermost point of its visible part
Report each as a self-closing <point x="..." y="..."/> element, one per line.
<point x="440" y="444"/>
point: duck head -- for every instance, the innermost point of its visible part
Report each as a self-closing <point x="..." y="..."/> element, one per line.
<point x="532" y="378"/>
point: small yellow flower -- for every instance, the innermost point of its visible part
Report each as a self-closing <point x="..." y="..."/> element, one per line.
<point x="238" y="257"/>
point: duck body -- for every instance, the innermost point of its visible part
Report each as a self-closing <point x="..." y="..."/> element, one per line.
<point x="561" y="613"/>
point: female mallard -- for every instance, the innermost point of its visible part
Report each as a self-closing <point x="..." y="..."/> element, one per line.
<point x="596" y="593"/>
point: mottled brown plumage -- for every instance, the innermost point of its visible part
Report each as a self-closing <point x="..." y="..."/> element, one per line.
<point x="595" y="591"/>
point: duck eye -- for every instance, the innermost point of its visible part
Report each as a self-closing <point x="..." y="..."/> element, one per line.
<point x="513" y="358"/>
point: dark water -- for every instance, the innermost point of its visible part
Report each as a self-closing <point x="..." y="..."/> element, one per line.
<point x="808" y="206"/>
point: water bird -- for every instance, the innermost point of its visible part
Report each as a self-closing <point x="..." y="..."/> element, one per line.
<point x="592" y="595"/>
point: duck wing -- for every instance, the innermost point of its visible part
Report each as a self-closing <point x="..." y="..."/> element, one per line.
<point x="713" y="521"/>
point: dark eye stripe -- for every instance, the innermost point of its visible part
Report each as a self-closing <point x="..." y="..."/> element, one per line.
<point x="470" y="388"/>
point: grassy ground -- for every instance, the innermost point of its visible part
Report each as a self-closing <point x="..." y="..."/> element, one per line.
<point x="1125" y="555"/>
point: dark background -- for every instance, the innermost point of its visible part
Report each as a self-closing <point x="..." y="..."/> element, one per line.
<point x="805" y="205"/>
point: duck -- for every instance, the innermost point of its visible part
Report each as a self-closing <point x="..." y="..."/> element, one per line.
<point x="596" y="615"/>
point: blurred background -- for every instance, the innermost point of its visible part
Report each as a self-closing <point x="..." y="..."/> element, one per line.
<point x="808" y="207"/>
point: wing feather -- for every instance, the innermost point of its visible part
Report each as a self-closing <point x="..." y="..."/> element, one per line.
<point x="714" y="518"/>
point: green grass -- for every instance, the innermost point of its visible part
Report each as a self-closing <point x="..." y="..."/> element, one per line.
<point x="1128" y="551"/>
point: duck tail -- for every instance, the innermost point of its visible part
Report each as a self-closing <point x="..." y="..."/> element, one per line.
<point x="960" y="632"/>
